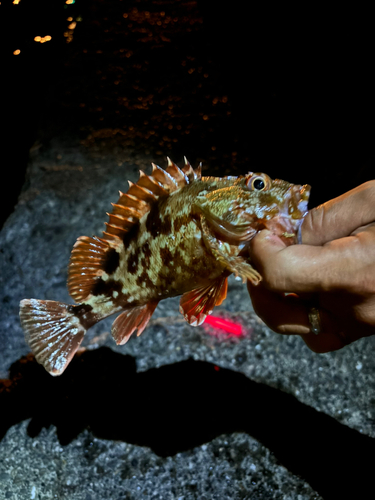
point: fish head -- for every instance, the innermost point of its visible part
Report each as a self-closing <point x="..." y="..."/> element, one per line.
<point x="254" y="202"/>
<point x="276" y="205"/>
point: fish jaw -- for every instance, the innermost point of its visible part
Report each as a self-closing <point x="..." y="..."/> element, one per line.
<point x="287" y="224"/>
<point x="299" y="200"/>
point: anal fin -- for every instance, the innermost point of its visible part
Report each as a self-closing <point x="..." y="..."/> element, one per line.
<point x="199" y="303"/>
<point x="130" y="320"/>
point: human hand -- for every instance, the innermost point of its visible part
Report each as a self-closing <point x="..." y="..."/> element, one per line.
<point x="333" y="269"/>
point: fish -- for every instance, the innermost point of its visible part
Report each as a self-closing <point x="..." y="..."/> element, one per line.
<point x="172" y="233"/>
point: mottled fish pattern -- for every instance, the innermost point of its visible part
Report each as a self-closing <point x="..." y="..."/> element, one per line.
<point x="173" y="233"/>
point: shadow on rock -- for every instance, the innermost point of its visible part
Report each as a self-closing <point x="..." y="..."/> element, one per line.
<point x="177" y="407"/>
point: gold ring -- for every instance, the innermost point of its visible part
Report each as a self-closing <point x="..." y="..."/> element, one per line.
<point x="314" y="320"/>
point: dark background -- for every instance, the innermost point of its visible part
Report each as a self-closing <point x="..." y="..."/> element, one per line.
<point x="298" y="103"/>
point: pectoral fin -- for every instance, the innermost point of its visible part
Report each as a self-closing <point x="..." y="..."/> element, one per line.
<point x="199" y="303"/>
<point x="234" y="263"/>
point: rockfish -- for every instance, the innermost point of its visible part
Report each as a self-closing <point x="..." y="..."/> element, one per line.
<point x="173" y="233"/>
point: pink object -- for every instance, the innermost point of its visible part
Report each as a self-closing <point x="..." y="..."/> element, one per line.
<point x="224" y="324"/>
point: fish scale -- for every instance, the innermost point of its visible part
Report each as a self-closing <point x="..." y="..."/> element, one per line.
<point x="172" y="233"/>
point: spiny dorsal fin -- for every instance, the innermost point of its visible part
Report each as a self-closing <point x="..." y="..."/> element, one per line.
<point x="177" y="173"/>
<point x="130" y="201"/>
<point x="198" y="172"/>
<point x="141" y="195"/>
<point x="188" y="170"/>
<point x="150" y="183"/>
<point x="191" y="174"/>
<point x="164" y="177"/>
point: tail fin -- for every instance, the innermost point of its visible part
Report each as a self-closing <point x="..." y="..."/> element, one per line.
<point x="53" y="332"/>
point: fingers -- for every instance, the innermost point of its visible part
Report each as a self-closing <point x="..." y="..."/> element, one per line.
<point x="289" y="315"/>
<point x="341" y="216"/>
<point x="337" y="255"/>
<point x="283" y="314"/>
<point x="343" y="264"/>
<point x="325" y="341"/>
<point x="296" y="268"/>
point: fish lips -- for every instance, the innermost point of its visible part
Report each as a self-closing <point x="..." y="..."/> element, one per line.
<point x="299" y="200"/>
<point x="287" y="224"/>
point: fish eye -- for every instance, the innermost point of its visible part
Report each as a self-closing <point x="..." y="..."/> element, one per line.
<point x="257" y="183"/>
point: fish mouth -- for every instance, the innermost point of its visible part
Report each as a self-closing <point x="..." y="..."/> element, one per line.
<point x="287" y="224"/>
<point x="299" y="200"/>
<point x="302" y="207"/>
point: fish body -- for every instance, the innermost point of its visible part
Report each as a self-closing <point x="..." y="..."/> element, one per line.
<point x="173" y="233"/>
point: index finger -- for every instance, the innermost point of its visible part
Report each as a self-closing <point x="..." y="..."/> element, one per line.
<point x="340" y="216"/>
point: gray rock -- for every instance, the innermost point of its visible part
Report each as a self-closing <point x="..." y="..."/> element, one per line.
<point x="229" y="467"/>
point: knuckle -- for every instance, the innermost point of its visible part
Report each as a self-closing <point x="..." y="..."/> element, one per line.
<point x="312" y="226"/>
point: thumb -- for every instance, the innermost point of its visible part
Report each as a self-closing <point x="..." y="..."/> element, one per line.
<point x="340" y="216"/>
<point x="263" y="247"/>
<point x="293" y="268"/>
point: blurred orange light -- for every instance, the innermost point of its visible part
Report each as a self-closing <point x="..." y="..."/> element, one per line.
<point x="43" y="39"/>
<point x="16" y="52"/>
